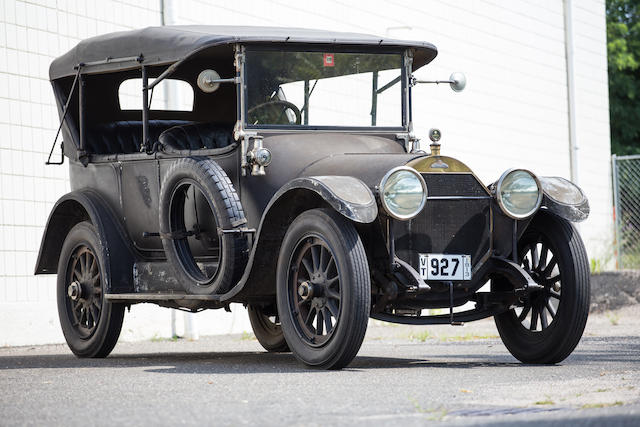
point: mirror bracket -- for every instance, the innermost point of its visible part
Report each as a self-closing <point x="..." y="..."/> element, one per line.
<point x="457" y="81"/>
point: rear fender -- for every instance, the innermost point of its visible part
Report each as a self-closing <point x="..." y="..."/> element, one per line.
<point x="87" y="205"/>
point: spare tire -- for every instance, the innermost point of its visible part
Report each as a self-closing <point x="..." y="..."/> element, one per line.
<point x="197" y="202"/>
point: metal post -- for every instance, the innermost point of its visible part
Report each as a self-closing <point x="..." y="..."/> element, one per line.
<point x="306" y="102"/>
<point x="190" y="328"/>
<point x="406" y="105"/>
<point x="392" y="244"/>
<point x="374" y="98"/>
<point x="616" y="210"/>
<point x="514" y="242"/>
<point x="81" y="114"/>
<point x="145" y="110"/>
<point x="174" y="330"/>
<point x="571" y="91"/>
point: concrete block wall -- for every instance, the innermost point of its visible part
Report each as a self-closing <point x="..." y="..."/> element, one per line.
<point x="514" y="112"/>
<point x="32" y="34"/>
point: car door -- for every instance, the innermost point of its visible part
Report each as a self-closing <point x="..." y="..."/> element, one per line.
<point x="140" y="189"/>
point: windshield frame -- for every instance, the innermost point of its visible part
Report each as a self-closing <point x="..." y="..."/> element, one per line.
<point x="298" y="47"/>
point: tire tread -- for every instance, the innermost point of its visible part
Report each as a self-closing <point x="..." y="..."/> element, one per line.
<point x="209" y="171"/>
<point x="569" y="325"/>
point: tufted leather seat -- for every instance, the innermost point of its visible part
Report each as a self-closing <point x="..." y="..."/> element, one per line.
<point x="125" y="136"/>
<point x="196" y="136"/>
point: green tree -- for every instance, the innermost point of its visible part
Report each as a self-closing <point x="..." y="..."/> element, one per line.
<point x="623" y="55"/>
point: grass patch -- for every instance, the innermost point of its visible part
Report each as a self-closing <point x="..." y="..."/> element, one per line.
<point x="156" y="338"/>
<point x="547" y="401"/>
<point x="420" y="336"/>
<point x="247" y="336"/>
<point x="468" y="337"/>
<point x="595" y="265"/>
<point x="436" y="414"/>
<point x="614" y="319"/>
<point x="601" y="405"/>
<point x="602" y="390"/>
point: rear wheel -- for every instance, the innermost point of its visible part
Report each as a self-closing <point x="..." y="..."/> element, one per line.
<point x="91" y="325"/>
<point x="549" y="323"/>
<point x="324" y="289"/>
<point x="267" y="329"/>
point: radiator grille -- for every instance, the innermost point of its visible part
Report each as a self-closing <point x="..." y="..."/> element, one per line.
<point x="453" y="226"/>
<point x="453" y="184"/>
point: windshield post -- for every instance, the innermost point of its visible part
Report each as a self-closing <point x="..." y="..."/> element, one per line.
<point x="406" y="86"/>
<point x="241" y="87"/>
<point x="240" y="134"/>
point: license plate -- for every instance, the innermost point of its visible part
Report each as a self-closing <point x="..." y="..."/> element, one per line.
<point x="445" y="267"/>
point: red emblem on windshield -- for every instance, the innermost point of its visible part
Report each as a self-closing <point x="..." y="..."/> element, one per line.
<point x="328" y="60"/>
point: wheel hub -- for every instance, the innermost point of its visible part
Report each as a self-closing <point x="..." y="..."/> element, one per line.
<point x="74" y="291"/>
<point x="305" y="290"/>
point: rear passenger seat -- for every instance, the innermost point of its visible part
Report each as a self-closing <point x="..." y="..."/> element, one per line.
<point x="196" y="136"/>
<point x="125" y="136"/>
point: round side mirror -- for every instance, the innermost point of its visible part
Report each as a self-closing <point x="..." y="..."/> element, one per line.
<point x="458" y="81"/>
<point x="207" y="81"/>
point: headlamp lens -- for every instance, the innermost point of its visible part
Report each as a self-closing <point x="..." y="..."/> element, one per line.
<point x="403" y="193"/>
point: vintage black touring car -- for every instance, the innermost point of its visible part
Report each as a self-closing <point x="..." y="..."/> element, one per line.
<point x="277" y="168"/>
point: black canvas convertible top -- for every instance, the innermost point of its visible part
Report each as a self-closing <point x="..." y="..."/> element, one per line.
<point x="170" y="44"/>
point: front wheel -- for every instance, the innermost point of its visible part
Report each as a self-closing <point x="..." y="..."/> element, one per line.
<point x="548" y="324"/>
<point x="324" y="289"/>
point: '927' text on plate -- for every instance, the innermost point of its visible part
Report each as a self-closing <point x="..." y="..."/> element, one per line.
<point x="445" y="267"/>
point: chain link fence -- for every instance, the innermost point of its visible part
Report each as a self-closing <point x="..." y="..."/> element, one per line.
<point x="626" y="198"/>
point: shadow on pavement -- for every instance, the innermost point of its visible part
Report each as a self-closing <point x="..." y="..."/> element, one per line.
<point x="262" y="362"/>
<point x="226" y="362"/>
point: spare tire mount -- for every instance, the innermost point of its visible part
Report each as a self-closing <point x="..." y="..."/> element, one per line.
<point x="199" y="213"/>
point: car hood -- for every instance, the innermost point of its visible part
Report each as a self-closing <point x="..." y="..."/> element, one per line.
<point x="366" y="157"/>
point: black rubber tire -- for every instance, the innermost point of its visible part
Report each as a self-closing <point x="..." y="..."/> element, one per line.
<point x="268" y="333"/>
<point x="353" y="270"/>
<point x="560" y="338"/>
<point x="109" y="324"/>
<point x="224" y="202"/>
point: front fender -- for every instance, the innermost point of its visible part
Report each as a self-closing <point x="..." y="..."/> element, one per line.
<point x="564" y="198"/>
<point x="347" y="195"/>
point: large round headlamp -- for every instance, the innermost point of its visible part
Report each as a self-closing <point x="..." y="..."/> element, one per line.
<point x="403" y="192"/>
<point x="519" y="193"/>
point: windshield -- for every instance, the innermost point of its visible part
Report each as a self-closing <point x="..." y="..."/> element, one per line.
<point x="323" y="89"/>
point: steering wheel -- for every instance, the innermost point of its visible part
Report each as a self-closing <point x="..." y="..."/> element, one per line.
<point x="273" y="104"/>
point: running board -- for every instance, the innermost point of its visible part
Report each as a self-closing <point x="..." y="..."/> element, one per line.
<point x="160" y="297"/>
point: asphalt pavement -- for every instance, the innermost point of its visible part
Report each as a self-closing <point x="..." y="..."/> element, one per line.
<point x="402" y="376"/>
